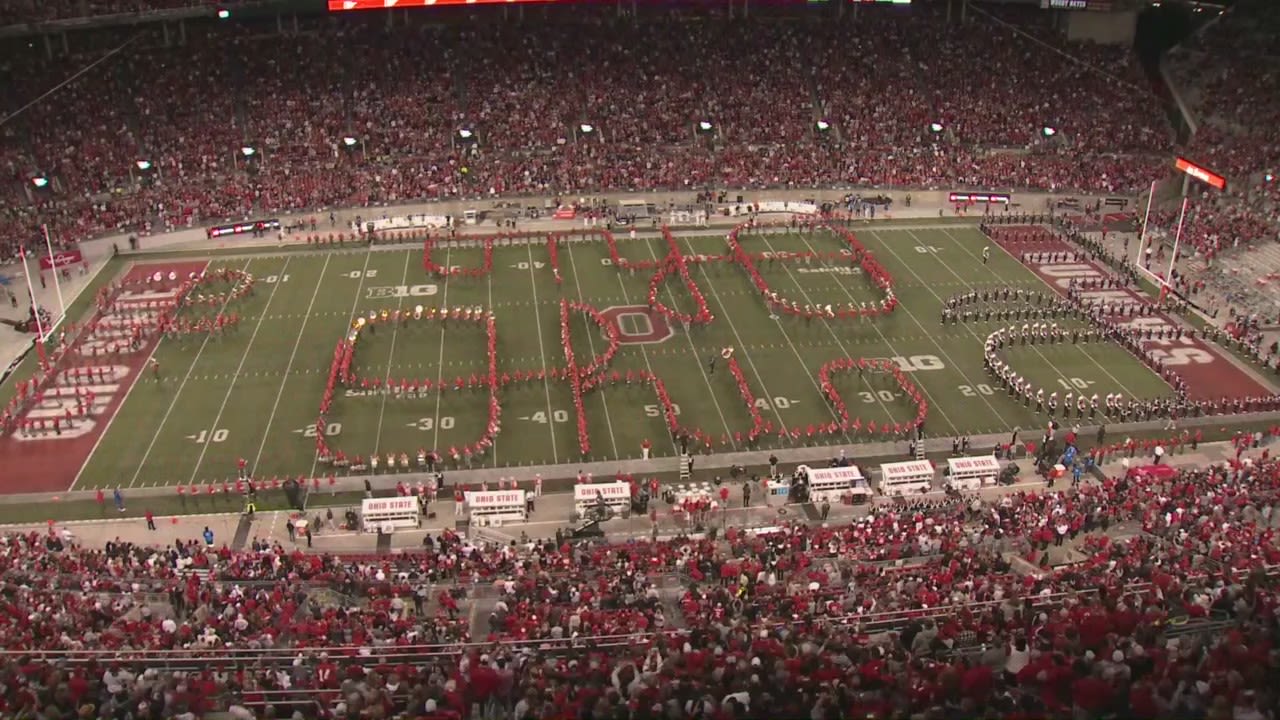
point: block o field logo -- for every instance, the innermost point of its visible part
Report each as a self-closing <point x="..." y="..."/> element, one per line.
<point x="638" y="325"/>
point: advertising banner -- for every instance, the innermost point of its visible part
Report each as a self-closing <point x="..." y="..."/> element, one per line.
<point x="61" y="259"/>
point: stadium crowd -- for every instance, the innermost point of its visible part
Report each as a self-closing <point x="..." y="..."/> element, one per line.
<point x="529" y="94"/>
<point x="923" y="608"/>
<point x="1226" y="77"/>
<point x="15" y="12"/>
<point x="933" y="609"/>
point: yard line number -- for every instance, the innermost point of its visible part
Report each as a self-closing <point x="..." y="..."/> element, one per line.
<point x="217" y="436"/>
<point x="779" y="402"/>
<point x="425" y="424"/>
<point x="272" y="279"/>
<point x="655" y="411"/>
<point x="976" y="390"/>
<point x="559" y="416"/>
<point x="1074" y="383"/>
<point x="916" y="363"/>
<point x="330" y="430"/>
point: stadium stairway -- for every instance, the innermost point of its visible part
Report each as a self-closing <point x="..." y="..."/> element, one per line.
<point x="328" y="597"/>
<point x="670" y="591"/>
<point x="243" y="528"/>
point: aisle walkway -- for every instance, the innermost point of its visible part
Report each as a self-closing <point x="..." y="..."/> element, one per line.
<point x="553" y="512"/>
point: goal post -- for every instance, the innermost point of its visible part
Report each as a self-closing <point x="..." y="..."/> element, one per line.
<point x="1162" y="281"/>
<point x="1190" y="171"/>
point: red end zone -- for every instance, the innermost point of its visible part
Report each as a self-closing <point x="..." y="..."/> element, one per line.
<point x="1209" y="375"/>
<point x="71" y="406"/>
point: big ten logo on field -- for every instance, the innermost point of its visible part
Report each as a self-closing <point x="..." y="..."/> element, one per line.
<point x="638" y="324"/>
<point x="400" y="291"/>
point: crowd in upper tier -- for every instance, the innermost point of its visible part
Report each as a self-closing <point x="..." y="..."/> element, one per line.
<point x="1227" y="77"/>
<point x="526" y="92"/>
<point x="945" y="608"/>
<point x="16" y="12"/>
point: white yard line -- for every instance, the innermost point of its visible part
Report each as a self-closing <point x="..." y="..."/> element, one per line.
<point x="391" y="354"/>
<point x="734" y="328"/>
<point x="444" y="307"/>
<point x="266" y="432"/>
<point x="1037" y="350"/>
<point x="1034" y="348"/>
<point x="622" y="286"/>
<point x="542" y="352"/>
<point x="351" y="317"/>
<point x="954" y="366"/>
<point x="591" y="343"/>
<point x="106" y="428"/>
<point x="493" y="446"/>
<point x="697" y="358"/>
<point x="177" y="393"/>
<point x="826" y="323"/>
<point x="213" y="428"/>
<point x="874" y="326"/>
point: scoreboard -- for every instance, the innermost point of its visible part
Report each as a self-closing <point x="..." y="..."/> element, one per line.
<point x="1094" y="5"/>
<point x="344" y="5"/>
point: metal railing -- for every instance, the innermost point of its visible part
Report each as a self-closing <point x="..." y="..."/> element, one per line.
<point x="224" y="658"/>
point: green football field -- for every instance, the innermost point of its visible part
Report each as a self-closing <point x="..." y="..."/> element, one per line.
<point x="255" y="392"/>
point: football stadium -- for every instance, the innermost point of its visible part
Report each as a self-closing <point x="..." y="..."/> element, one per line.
<point x="686" y="359"/>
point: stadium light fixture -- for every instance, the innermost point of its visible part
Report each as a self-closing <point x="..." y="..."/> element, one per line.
<point x="143" y="165"/>
<point x="1269" y="177"/>
<point x="1048" y="131"/>
<point x="248" y="151"/>
<point x="40" y="182"/>
<point x="586" y="128"/>
<point x="349" y="141"/>
<point x="935" y="127"/>
<point x="466" y="134"/>
<point x="223" y="14"/>
<point x="823" y="126"/>
<point x="704" y="126"/>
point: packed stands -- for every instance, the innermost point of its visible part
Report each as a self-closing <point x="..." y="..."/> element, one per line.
<point x="15" y="12"/>
<point x="525" y="91"/>
<point x="1166" y="604"/>
<point x="1226" y="77"/>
